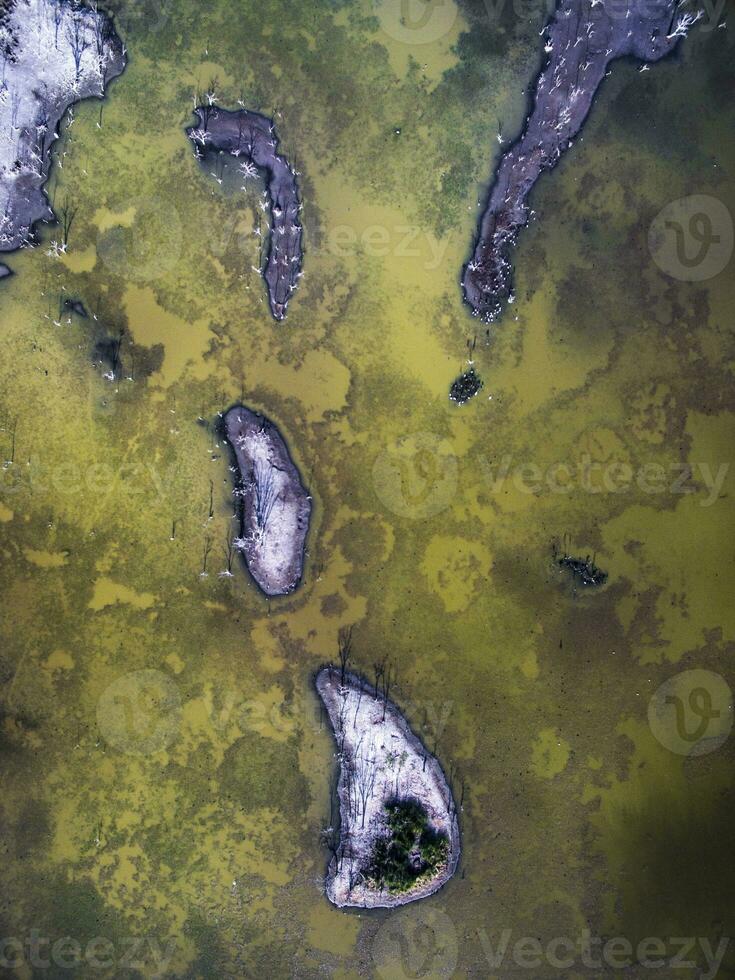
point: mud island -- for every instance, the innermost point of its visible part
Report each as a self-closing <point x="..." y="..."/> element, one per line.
<point x="253" y="137"/>
<point x="398" y="837"/>
<point x="275" y="508"/>
<point x="582" y="38"/>
<point x="54" y="54"/>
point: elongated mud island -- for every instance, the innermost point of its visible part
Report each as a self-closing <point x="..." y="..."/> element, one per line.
<point x="275" y="507"/>
<point x="253" y="137"/>
<point x="54" y="54"/>
<point x="582" y="38"/>
<point x="398" y="837"/>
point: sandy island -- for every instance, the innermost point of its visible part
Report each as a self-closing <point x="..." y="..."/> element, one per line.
<point x="582" y="38"/>
<point x="275" y="507"/>
<point x="252" y="137"/>
<point x="54" y="54"/>
<point x="381" y="760"/>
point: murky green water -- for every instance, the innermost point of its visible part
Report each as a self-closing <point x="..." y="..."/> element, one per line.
<point x="165" y="764"/>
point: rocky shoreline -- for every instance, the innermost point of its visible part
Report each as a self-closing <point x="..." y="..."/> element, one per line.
<point x="275" y="507"/>
<point x="252" y="137"/>
<point x="381" y="760"/>
<point x="55" y="54"/>
<point x="581" y="40"/>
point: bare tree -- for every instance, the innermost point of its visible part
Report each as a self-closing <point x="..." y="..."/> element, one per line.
<point x="344" y="641"/>
<point x="365" y="773"/>
<point x="76" y="35"/>
<point x="340" y="727"/>
<point x="58" y="14"/>
<point x="115" y="346"/>
<point x="206" y="553"/>
<point x="67" y="212"/>
<point x="229" y="550"/>
<point x="266" y="493"/>
<point x="386" y="688"/>
<point x="379" y="669"/>
<point x="206" y="102"/>
<point x="12" y="428"/>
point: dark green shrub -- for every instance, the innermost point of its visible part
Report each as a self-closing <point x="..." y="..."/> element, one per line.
<point x="411" y="850"/>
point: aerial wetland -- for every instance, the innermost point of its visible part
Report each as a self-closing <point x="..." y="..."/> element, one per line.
<point x="366" y="413"/>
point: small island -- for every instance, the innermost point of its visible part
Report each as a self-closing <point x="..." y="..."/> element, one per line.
<point x="274" y="506"/>
<point x="465" y="387"/>
<point x="55" y="53"/>
<point x="398" y="838"/>
<point x="582" y="38"/>
<point x="252" y="137"/>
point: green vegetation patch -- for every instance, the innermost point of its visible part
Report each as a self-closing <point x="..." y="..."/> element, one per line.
<point x="411" y="849"/>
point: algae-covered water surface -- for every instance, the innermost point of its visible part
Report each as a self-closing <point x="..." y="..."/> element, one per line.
<point x="546" y="570"/>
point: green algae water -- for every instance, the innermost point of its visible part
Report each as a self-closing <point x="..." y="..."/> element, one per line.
<point x="166" y="764"/>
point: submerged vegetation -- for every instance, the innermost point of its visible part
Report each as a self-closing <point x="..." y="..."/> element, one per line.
<point x="409" y="850"/>
<point x="583" y="570"/>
